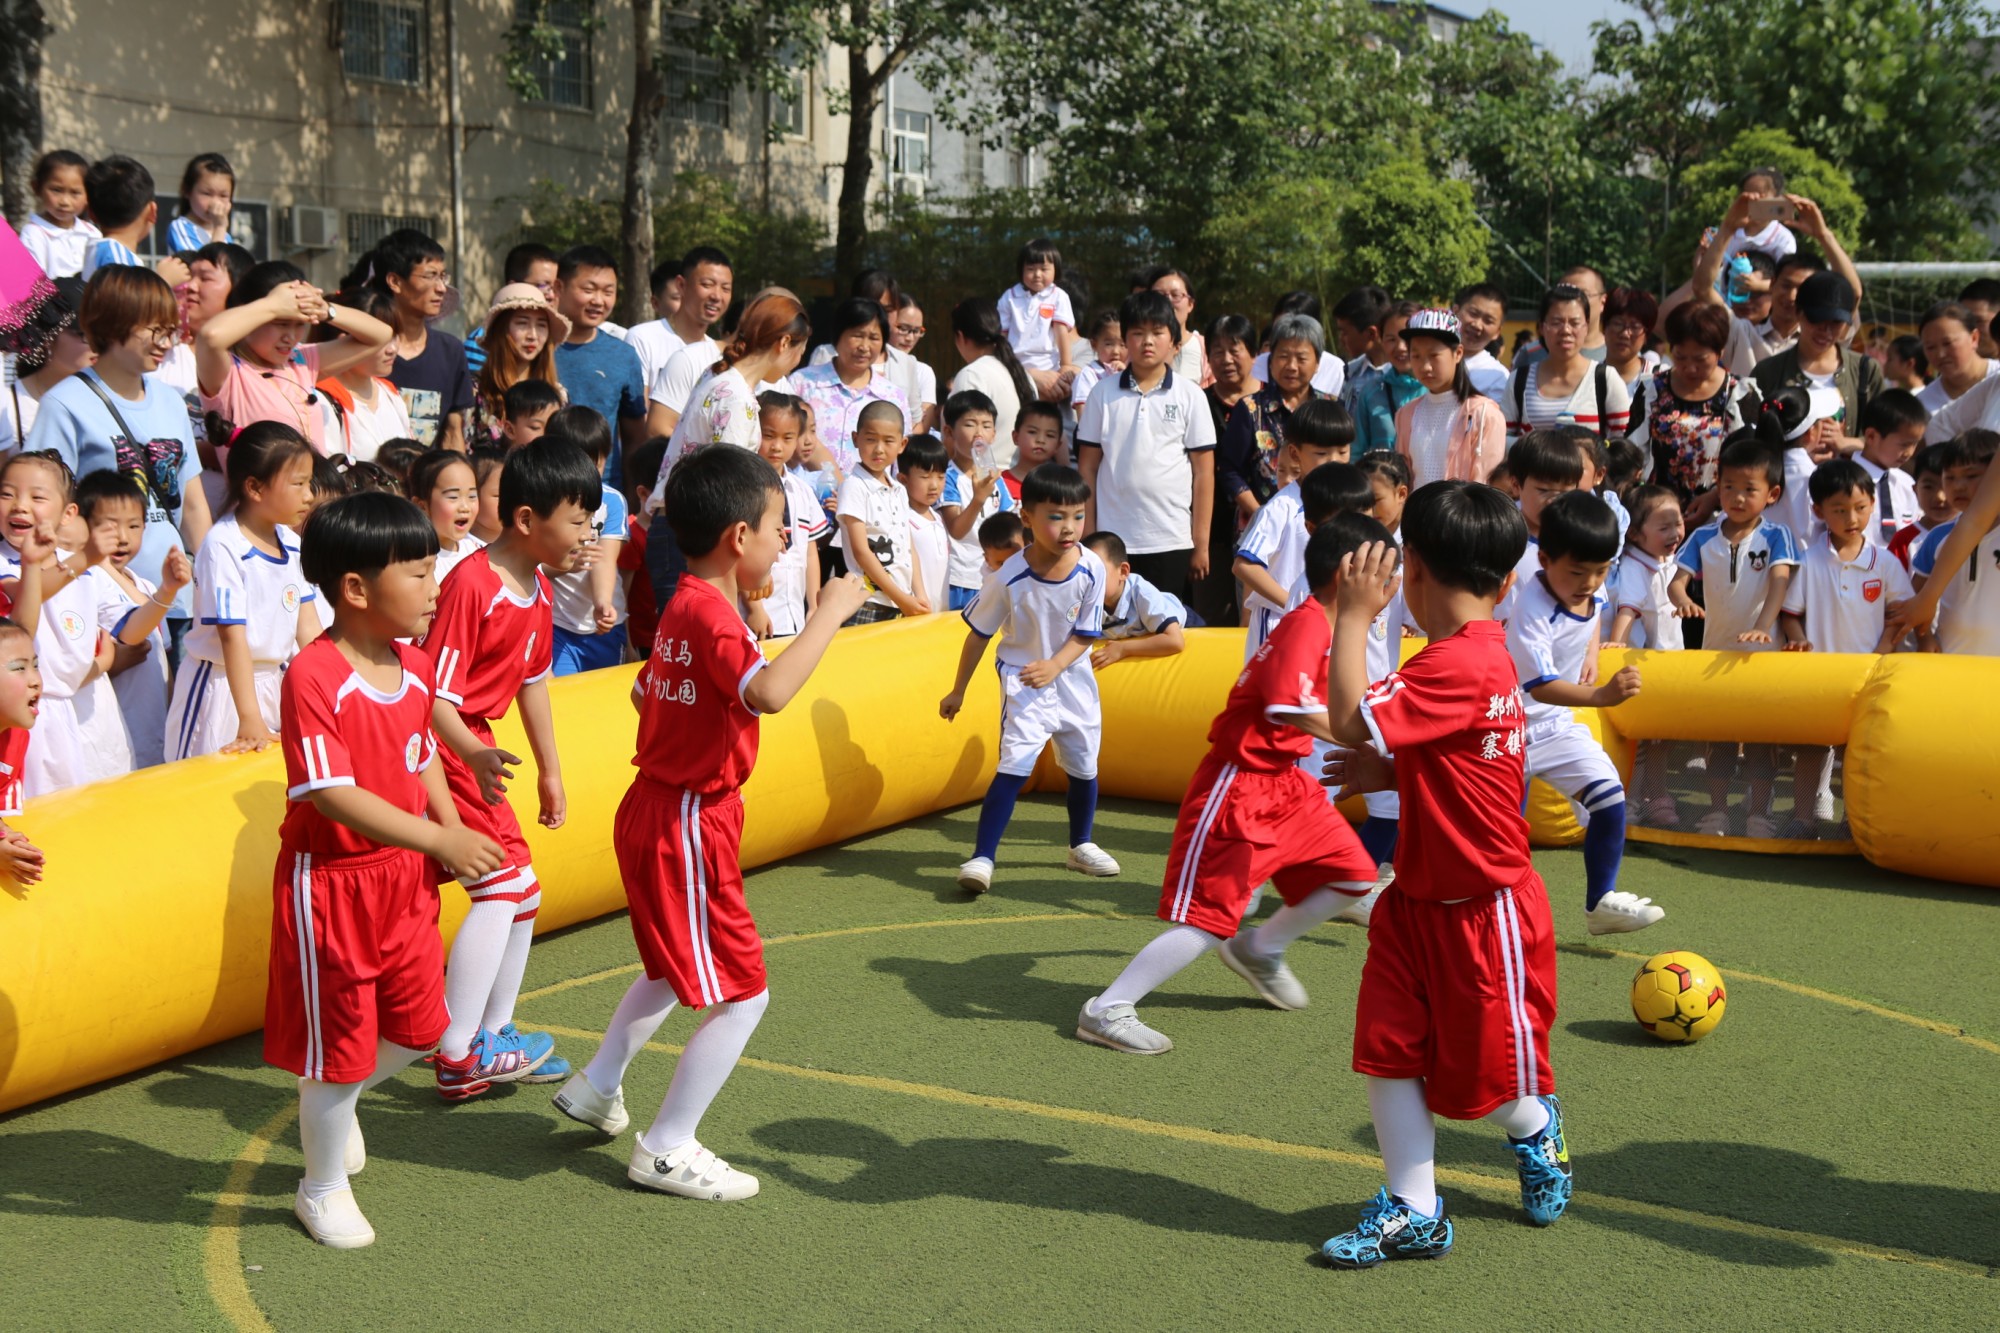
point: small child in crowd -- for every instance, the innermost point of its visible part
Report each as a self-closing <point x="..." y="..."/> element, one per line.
<point x="1544" y="464"/>
<point x="795" y="580"/>
<point x="487" y="461"/>
<point x="208" y="192"/>
<point x="1892" y="430"/>
<point x="56" y="234"/>
<point x="1047" y="603"/>
<point x="922" y="469"/>
<point x="642" y="613"/>
<point x="1968" y="619"/>
<point x="1001" y="538"/>
<point x="590" y="599"/>
<point x="129" y="607"/>
<point x="679" y="829"/>
<point x="1453" y="432"/>
<point x="1645" y="615"/>
<point x="1038" y="439"/>
<point x="20" y="697"/>
<point x="1934" y="505"/>
<point x="1035" y="315"/>
<point x="1251" y="814"/>
<point x="122" y="207"/>
<point x="1388" y="474"/>
<point x="525" y="410"/>
<point x="1270" y="556"/>
<point x="874" y="517"/>
<point x="974" y="493"/>
<point x="1107" y="345"/>
<point x="1139" y="619"/>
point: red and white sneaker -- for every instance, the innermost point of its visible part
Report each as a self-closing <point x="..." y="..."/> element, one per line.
<point x="488" y="1062"/>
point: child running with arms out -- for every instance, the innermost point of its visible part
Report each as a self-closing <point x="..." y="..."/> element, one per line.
<point x="679" y="828"/>
<point x="357" y="971"/>
<point x="1459" y="987"/>
<point x="1252" y="814"/>
<point x="491" y="640"/>
<point x="1047" y="603"/>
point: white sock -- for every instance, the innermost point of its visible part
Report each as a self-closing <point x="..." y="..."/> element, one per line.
<point x="1292" y="920"/>
<point x="1153" y="965"/>
<point x="468" y="981"/>
<point x="513" y="965"/>
<point x="645" y="1006"/>
<point x="712" y="1052"/>
<point x="1521" y="1119"/>
<point x="1408" y="1135"/>
<point x="390" y="1060"/>
<point x="326" y="1113"/>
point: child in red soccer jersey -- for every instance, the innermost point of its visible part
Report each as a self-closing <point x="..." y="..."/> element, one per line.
<point x="20" y="693"/>
<point x="678" y="829"/>
<point x="357" y="986"/>
<point x="490" y="640"/>
<point x="1459" y="987"/>
<point x="1252" y="814"/>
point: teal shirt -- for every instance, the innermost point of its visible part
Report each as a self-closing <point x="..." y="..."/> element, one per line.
<point x="1375" y="409"/>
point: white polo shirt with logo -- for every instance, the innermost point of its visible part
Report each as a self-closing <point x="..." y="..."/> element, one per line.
<point x="1846" y="602"/>
<point x="1145" y="483"/>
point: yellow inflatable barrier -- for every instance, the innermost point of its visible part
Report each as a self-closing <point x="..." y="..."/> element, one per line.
<point x="149" y="938"/>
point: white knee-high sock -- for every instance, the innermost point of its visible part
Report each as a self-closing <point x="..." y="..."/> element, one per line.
<point x="1408" y="1135"/>
<point x="1152" y="966"/>
<point x="1522" y="1119"/>
<point x="390" y="1060"/>
<point x="468" y="981"/>
<point x="326" y="1114"/>
<point x="513" y="965"/>
<point x="645" y="1006"/>
<point x="712" y="1052"/>
<point x="1292" y="920"/>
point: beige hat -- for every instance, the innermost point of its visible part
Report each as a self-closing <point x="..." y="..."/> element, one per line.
<point x="524" y="296"/>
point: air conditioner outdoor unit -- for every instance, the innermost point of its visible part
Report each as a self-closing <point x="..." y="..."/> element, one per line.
<point x="308" y="228"/>
<point x="909" y="187"/>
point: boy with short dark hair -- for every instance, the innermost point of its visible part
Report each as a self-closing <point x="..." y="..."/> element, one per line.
<point x="1250" y="814"/>
<point x="974" y="491"/>
<point x="679" y="829"/>
<point x="1968" y="619"/>
<point x="525" y="410"/>
<point x="1481" y="310"/>
<point x="921" y="469"/>
<point x="1047" y="604"/>
<point x="874" y="518"/>
<point x="1892" y="429"/>
<point x="1552" y="629"/>
<point x="1001" y="537"/>
<point x="1038" y="439"/>
<point x="492" y="641"/>
<point x="1458" y="990"/>
<point x="356" y="979"/>
<point x="1146" y="448"/>
<point x="1934" y="503"/>
<point x="1139" y="619"/>
<point x="590" y="600"/>
<point x="122" y="206"/>
<point x="1358" y="317"/>
<point x="1270" y="555"/>
<point x="1544" y="464"/>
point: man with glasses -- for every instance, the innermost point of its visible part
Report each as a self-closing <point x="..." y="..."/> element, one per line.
<point x="430" y="368"/>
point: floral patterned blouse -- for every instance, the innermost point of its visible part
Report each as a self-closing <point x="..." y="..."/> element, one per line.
<point x="1247" y="455"/>
<point x="724" y="412"/>
<point x="1685" y="435"/>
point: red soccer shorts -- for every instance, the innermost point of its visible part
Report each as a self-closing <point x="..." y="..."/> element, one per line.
<point x="677" y="853"/>
<point x="1460" y="995"/>
<point x="355" y="956"/>
<point x="1239" y="828"/>
<point x="514" y="881"/>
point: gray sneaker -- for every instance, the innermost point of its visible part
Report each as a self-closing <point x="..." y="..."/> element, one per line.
<point x="1118" y="1026"/>
<point x="1269" y="977"/>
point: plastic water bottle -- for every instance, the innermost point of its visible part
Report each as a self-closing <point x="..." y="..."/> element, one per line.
<point x="984" y="465"/>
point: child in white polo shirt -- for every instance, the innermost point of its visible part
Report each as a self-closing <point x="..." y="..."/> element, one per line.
<point x="874" y="517"/>
<point x="1035" y="315"/>
<point x="1968" y="618"/>
<point x="1146" y="446"/>
<point x="1838" y="603"/>
<point x="1892" y="429"/>
<point x="1271" y="554"/>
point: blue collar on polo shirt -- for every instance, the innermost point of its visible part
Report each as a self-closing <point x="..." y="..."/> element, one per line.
<point x="1127" y="381"/>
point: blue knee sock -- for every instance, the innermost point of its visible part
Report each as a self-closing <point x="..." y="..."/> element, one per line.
<point x="995" y="811"/>
<point x="1378" y="837"/>
<point x="1082" y="809"/>
<point x="1603" y="850"/>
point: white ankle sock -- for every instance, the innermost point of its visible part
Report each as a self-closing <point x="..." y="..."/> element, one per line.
<point x="513" y="966"/>
<point x="468" y="981"/>
<point x="1521" y="1119"/>
<point x="712" y="1052"/>
<point x="645" y="1006"/>
<point x="1408" y="1135"/>
<point x="326" y="1113"/>
<point x="1152" y="966"/>
<point x="1291" y="921"/>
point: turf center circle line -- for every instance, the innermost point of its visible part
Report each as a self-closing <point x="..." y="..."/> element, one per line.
<point x="222" y="1258"/>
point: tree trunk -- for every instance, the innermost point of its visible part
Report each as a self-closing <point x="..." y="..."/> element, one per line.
<point x="864" y="96"/>
<point x="642" y="152"/>
<point x="23" y="28"/>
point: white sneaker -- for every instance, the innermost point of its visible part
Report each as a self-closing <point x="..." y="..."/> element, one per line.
<point x="1714" y="824"/>
<point x="1087" y="858"/>
<point x="334" y="1221"/>
<point x="1823" y="807"/>
<point x="357" y="1148"/>
<point x="1118" y="1026"/>
<point x="1359" y="910"/>
<point x="1269" y="977"/>
<point x="976" y="875"/>
<point x="691" y="1171"/>
<point x="1618" y="911"/>
<point x="581" y="1101"/>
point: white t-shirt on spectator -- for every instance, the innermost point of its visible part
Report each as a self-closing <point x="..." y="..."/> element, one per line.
<point x="682" y="371"/>
<point x="656" y="342"/>
<point x="1145" y="480"/>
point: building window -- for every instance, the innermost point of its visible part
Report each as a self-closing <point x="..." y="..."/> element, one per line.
<point x="384" y="40"/>
<point x="791" y="98"/>
<point x="563" y="78"/>
<point x="910" y="151"/>
<point x="697" y="85"/>
<point x="366" y="230"/>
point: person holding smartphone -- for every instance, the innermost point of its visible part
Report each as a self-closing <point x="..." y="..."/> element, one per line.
<point x="1768" y="213"/>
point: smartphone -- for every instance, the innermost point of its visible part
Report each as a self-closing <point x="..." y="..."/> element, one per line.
<point x="1763" y="212"/>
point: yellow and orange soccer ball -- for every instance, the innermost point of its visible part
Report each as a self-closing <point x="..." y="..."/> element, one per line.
<point x="1678" y="996"/>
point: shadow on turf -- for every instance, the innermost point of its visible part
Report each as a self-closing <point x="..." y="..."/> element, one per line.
<point x="1610" y="1032"/>
<point x="1003" y="985"/>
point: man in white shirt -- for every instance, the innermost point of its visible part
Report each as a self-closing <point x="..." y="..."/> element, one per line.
<point x="696" y="298"/>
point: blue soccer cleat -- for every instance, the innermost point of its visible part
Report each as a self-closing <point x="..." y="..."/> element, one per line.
<point x="1544" y="1165"/>
<point x="552" y="1069"/>
<point x="1389" y="1229"/>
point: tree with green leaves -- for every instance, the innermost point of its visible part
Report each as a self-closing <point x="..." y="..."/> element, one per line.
<point x="1711" y="185"/>
<point x="24" y="27"/>
<point x="1412" y="231"/>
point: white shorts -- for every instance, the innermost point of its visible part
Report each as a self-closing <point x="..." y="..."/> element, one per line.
<point x="1262" y="621"/>
<point x="1065" y="711"/>
<point x="1568" y="758"/>
<point x="202" y="717"/>
<point x="76" y="740"/>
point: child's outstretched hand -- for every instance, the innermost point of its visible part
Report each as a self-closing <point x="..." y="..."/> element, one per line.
<point x="948" y="706"/>
<point x="842" y="597"/>
<point x="176" y="572"/>
<point x="1357" y="771"/>
<point x="1799" y="646"/>
<point x="1105" y="652"/>
<point x="1618" y="689"/>
<point x="1368" y="579"/>
<point x="1687" y="608"/>
<point x="492" y="769"/>
<point x="466" y="854"/>
<point x="20" y="860"/>
<point x="553" y="800"/>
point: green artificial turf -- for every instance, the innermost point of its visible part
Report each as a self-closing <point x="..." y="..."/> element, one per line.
<point x="1755" y="1179"/>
